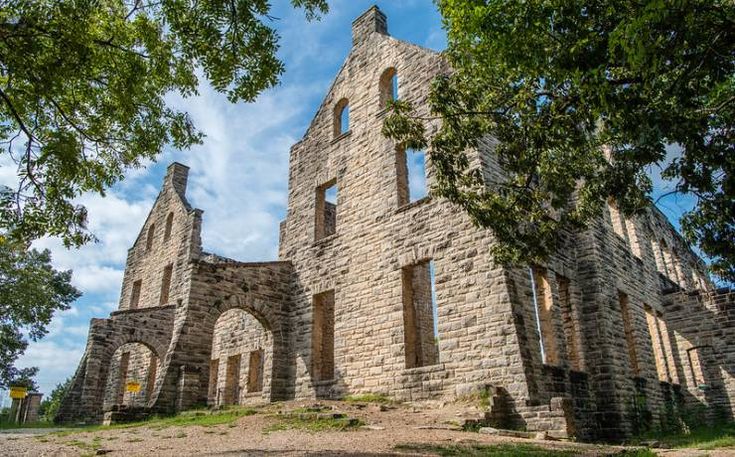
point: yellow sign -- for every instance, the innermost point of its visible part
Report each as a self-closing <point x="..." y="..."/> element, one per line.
<point x="133" y="386"/>
<point x="18" y="392"/>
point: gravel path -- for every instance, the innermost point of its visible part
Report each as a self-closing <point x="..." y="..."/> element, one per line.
<point x="246" y="437"/>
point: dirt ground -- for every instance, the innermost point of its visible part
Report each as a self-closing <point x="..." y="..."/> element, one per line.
<point x="248" y="436"/>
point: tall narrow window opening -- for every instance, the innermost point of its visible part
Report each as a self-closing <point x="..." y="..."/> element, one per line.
<point x="151" y="381"/>
<point x="149" y="237"/>
<point x="166" y="284"/>
<point x="232" y="380"/>
<point x="668" y="350"/>
<point x="410" y="175"/>
<point x="545" y="319"/>
<point x="388" y="87"/>
<point x="629" y="333"/>
<point x="635" y="245"/>
<point x="571" y="324"/>
<point x="323" y="336"/>
<point x="420" y="315"/>
<point x="213" y="380"/>
<point x="123" y="373"/>
<point x="617" y="220"/>
<point x="326" y="210"/>
<point x="169" y="225"/>
<point x="255" y="371"/>
<point x="659" y="353"/>
<point x="341" y="117"/>
<point x="135" y="294"/>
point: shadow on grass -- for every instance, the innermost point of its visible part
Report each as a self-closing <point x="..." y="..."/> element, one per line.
<point x="707" y="437"/>
<point x="514" y="450"/>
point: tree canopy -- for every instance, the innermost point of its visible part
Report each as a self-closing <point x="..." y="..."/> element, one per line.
<point x="583" y="98"/>
<point x="83" y="86"/>
<point x="31" y="290"/>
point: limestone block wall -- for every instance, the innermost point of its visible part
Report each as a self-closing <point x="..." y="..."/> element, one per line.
<point x="169" y="239"/>
<point x="377" y="236"/>
<point x="702" y="326"/>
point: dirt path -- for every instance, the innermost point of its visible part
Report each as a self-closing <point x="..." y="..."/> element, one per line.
<point x="249" y="435"/>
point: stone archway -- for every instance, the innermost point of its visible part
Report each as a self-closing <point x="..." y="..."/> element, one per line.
<point x="241" y="361"/>
<point x="131" y="362"/>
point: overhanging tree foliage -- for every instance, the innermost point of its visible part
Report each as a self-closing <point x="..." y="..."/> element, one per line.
<point x="584" y="97"/>
<point x="31" y="290"/>
<point x="82" y="86"/>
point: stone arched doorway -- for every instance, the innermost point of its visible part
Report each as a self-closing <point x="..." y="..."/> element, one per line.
<point x="241" y="361"/>
<point x="131" y="362"/>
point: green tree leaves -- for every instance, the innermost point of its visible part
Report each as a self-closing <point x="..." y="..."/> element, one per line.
<point x="82" y="86"/>
<point x="583" y="98"/>
<point x="31" y="290"/>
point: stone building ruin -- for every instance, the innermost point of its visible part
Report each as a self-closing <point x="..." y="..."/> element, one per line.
<point x="621" y="326"/>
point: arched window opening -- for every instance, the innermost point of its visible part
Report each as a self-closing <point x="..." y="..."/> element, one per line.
<point x="149" y="237"/>
<point x="341" y="117"/>
<point x="169" y="225"/>
<point x="388" y="87"/>
<point x="241" y="359"/>
<point x="132" y="376"/>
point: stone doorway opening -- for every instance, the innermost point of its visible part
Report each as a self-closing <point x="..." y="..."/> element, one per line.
<point x="241" y="360"/>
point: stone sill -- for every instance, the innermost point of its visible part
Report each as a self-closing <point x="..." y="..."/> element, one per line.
<point x="341" y="136"/>
<point x="327" y="382"/>
<point x="325" y="240"/>
<point x="141" y="310"/>
<point x="424" y="370"/>
<point x="418" y="202"/>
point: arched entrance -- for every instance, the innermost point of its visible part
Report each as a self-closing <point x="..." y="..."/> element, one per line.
<point x="241" y="361"/>
<point x="131" y="362"/>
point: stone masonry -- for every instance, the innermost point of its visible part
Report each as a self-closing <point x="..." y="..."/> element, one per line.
<point x="375" y="292"/>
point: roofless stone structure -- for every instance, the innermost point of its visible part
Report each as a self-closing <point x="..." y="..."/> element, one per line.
<point x="379" y="291"/>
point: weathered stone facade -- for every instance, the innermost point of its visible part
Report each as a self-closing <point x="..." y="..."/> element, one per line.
<point x="377" y="293"/>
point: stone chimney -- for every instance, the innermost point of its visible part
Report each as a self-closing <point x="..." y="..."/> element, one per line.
<point x="371" y="21"/>
<point x="177" y="174"/>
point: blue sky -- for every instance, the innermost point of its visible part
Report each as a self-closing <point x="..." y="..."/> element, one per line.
<point x="238" y="176"/>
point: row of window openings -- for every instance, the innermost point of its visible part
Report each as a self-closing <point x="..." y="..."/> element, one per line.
<point x="388" y="87"/>
<point x="410" y="187"/>
<point x="667" y="262"/>
<point x="230" y="394"/>
<point x="166" y="233"/>
<point x="420" y="329"/>
<point x="660" y="340"/>
<point x="123" y="377"/>
<point x="546" y="320"/>
<point x="165" y="288"/>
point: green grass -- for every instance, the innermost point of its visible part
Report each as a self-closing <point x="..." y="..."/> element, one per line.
<point x="509" y="450"/>
<point x="706" y="438"/>
<point x="13" y="425"/>
<point x="313" y="424"/>
<point x="369" y="398"/>
<point x="200" y="417"/>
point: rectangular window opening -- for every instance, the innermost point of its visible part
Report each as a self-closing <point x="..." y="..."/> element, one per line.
<point x="410" y="175"/>
<point x="659" y="354"/>
<point x="166" y="284"/>
<point x="255" y="371"/>
<point x="571" y="324"/>
<point x="135" y="295"/>
<point x="629" y="333"/>
<point x="151" y="381"/>
<point x="545" y="319"/>
<point x="667" y="347"/>
<point x="421" y="335"/>
<point x="326" y="210"/>
<point x="123" y="374"/>
<point x="232" y="380"/>
<point x="323" y="336"/>
<point x="213" y="380"/>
